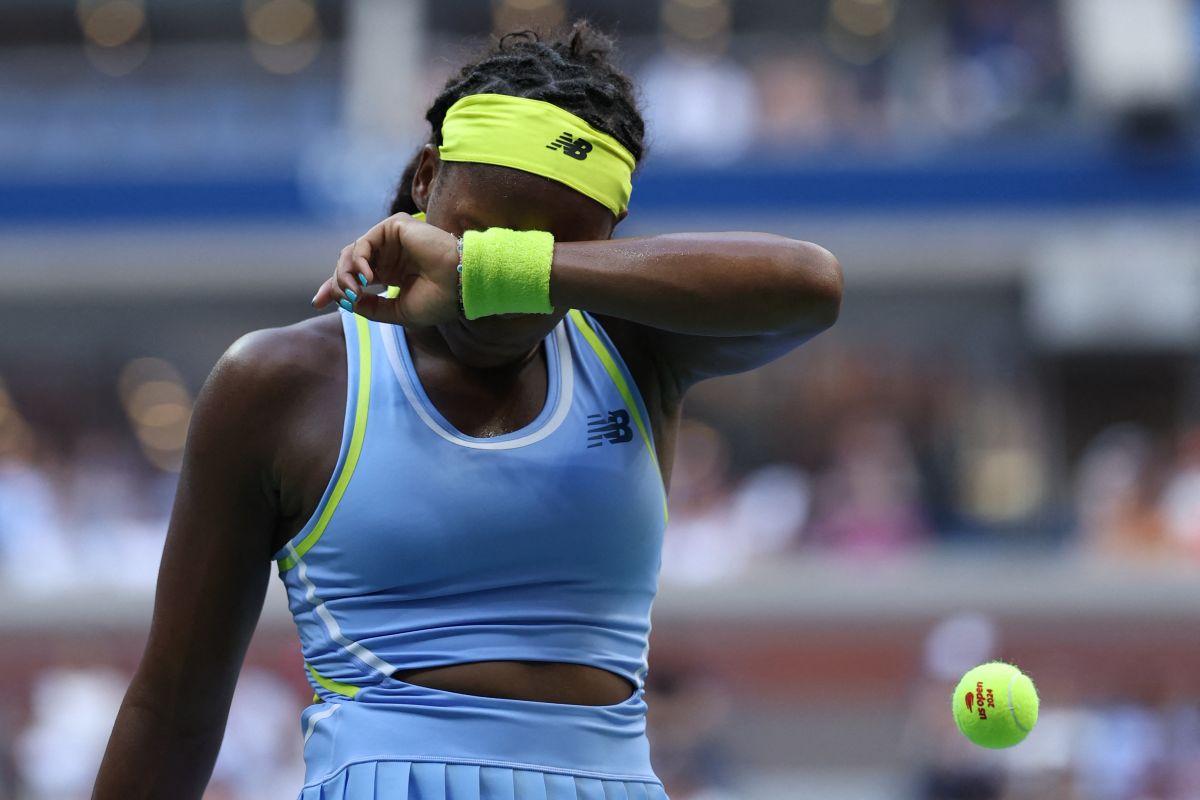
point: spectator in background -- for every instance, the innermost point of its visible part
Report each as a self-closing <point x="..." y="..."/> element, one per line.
<point x="797" y="90"/>
<point x="868" y="497"/>
<point x="1181" y="497"/>
<point x="99" y="516"/>
<point x="718" y="527"/>
<point x="698" y="546"/>
<point x="260" y="754"/>
<point x="701" y="105"/>
<point x="116" y="509"/>
<point x="1121" y="751"/>
<point x="72" y="713"/>
<point x="689" y="715"/>
<point x="34" y="552"/>
<point x="1005" y="59"/>
<point x="1117" y="487"/>
<point x="945" y="765"/>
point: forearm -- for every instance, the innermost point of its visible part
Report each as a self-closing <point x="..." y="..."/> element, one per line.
<point x="150" y="757"/>
<point x="719" y="284"/>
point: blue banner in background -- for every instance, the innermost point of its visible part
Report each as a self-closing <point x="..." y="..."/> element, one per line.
<point x="1059" y="180"/>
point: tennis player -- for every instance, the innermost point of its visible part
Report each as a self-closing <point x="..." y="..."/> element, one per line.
<point x="461" y="481"/>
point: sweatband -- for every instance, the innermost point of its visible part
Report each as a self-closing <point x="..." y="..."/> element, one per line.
<point x="506" y="272"/>
<point x="541" y="138"/>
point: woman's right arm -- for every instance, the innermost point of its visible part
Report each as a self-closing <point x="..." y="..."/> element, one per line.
<point x="211" y="584"/>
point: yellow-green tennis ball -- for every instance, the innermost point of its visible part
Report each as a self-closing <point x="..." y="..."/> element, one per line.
<point x="995" y="705"/>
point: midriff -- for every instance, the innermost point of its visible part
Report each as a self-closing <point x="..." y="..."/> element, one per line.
<point x="546" y="682"/>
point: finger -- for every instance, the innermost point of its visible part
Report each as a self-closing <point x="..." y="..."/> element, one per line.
<point x="361" y="272"/>
<point x="346" y="285"/>
<point x="383" y="246"/>
<point x="350" y="280"/>
<point x="329" y="291"/>
<point x="324" y="295"/>
<point x="353" y="271"/>
<point x="369" y="245"/>
<point x="344" y="274"/>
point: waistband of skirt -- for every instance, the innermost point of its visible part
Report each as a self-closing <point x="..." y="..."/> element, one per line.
<point x="394" y="720"/>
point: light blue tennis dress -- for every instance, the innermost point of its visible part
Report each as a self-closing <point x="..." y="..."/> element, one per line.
<point x="432" y="548"/>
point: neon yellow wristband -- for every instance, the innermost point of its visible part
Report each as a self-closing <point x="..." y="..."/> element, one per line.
<point x="506" y="272"/>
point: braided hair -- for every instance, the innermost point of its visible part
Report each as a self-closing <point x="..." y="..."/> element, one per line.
<point x="573" y="72"/>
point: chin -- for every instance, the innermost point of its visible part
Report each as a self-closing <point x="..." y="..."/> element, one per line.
<point x="499" y="340"/>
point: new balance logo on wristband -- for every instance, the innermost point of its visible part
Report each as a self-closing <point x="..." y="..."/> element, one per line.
<point x="612" y="428"/>
<point x="575" y="148"/>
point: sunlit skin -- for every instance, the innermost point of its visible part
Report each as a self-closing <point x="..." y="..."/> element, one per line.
<point x="267" y="426"/>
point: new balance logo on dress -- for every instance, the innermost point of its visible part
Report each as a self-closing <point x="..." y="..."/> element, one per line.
<point x="612" y="428"/>
<point x="575" y="148"/>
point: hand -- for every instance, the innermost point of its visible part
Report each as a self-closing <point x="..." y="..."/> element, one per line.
<point x="400" y="251"/>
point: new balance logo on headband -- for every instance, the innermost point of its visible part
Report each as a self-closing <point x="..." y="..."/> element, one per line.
<point x="575" y="148"/>
<point x="612" y="428"/>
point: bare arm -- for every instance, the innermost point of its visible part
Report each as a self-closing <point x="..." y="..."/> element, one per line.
<point x="704" y="304"/>
<point x="211" y="585"/>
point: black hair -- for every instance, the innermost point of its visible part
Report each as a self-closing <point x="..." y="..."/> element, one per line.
<point x="573" y="71"/>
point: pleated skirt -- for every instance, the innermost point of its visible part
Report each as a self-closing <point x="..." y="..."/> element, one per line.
<point x="430" y="780"/>
<point x="399" y="741"/>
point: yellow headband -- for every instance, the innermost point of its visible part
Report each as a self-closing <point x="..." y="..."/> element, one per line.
<point x="541" y="138"/>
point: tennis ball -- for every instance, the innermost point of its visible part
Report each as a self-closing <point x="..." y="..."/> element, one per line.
<point x="995" y="705"/>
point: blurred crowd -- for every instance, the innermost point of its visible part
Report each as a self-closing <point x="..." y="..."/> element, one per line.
<point x="72" y="709"/>
<point x="1128" y="744"/>
<point x="869" y="453"/>
<point x="882" y="78"/>
<point x="1115" y="748"/>
<point x="844" y="448"/>
<point x="1136" y="495"/>
<point x="92" y="516"/>
<point x="832" y="450"/>
<point x="980" y="68"/>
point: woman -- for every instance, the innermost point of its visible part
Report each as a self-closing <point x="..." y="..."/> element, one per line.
<point x="471" y="569"/>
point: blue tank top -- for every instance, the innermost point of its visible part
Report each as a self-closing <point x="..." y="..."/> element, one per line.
<point x="430" y="547"/>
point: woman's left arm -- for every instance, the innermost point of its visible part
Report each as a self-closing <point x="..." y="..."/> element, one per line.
<point x="705" y="304"/>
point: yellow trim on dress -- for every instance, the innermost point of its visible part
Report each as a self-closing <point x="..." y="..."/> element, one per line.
<point x="337" y="687"/>
<point x="356" y="442"/>
<point x="614" y="372"/>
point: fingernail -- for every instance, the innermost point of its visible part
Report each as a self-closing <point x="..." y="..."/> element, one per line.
<point x="353" y="297"/>
<point x="313" y="302"/>
<point x="344" y="303"/>
<point x="362" y="279"/>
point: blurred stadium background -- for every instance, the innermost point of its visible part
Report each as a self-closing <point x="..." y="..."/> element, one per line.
<point x="996" y="452"/>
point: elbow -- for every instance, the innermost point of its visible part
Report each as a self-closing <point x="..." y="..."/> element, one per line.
<point x="819" y="300"/>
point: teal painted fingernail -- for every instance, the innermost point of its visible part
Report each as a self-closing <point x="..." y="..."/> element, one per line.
<point x="362" y="279"/>
<point x="344" y="303"/>
<point x="353" y="297"/>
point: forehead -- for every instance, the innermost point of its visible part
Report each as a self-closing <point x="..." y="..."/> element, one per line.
<point x="475" y="196"/>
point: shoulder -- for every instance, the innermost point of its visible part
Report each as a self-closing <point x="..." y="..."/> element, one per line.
<point x="268" y="375"/>
<point x="286" y="356"/>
